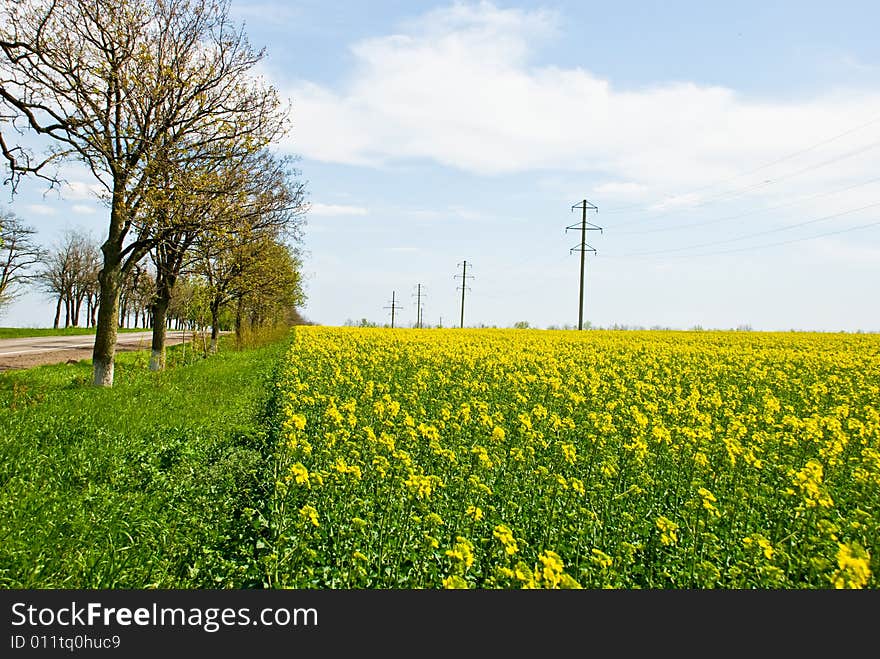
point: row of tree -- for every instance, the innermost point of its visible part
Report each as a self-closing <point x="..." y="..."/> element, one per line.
<point x="246" y="283"/>
<point x="160" y="101"/>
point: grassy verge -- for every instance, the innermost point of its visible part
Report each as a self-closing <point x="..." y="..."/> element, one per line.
<point x="26" y="332"/>
<point x="154" y="483"/>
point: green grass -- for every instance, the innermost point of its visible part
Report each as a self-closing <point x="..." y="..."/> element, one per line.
<point x="156" y="482"/>
<point x="25" y="332"/>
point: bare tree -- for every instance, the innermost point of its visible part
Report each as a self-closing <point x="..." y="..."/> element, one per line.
<point x="54" y="279"/>
<point x="136" y="295"/>
<point x="70" y="274"/>
<point x="19" y="253"/>
<point x="125" y="87"/>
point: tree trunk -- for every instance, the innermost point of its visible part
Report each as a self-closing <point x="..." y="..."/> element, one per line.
<point x="157" y="348"/>
<point x="57" y="313"/>
<point x="215" y="326"/>
<point x="108" y="318"/>
<point x="109" y="288"/>
<point x="66" y="312"/>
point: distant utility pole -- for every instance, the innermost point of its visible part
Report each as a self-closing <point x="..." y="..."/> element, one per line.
<point x="583" y="248"/>
<point x="419" y="309"/>
<point x="464" y="277"/>
<point x="394" y="306"/>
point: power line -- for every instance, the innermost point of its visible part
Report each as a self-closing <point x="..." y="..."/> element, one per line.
<point x="873" y="120"/>
<point x="753" y="235"/>
<point x="748" y="213"/>
<point x="750" y="248"/>
<point x="464" y="277"/>
<point x="583" y="249"/>
<point x="858" y="227"/>
<point x="394" y="307"/>
<point x="742" y="191"/>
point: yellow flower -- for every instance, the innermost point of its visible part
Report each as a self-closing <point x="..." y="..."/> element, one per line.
<point x="809" y="481"/>
<point x="853" y="567"/>
<point x="504" y="535"/>
<point x="497" y="434"/>
<point x="344" y="468"/>
<point x="526" y="575"/>
<point x="298" y="421"/>
<point x="462" y="552"/>
<point x="483" y="457"/>
<point x="601" y="559"/>
<point x="668" y="530"/>
<point x="661" y="435"/>
<point x="300" y="474"/>
<point x="550" y="572"/>
<point x="333" y="415"/>
<point x="455" y="582"/>
<point x="552" y="566"/>
<point x="423" y="486"/>
<point x="309" y="514"/>
<point x="762" y="544"/>
<point x="474" y="512"/>
<point x="709" y="501"/>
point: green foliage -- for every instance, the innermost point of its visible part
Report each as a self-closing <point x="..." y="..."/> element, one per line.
<point x="253" y="336"/>
<point x="155" y="483"/>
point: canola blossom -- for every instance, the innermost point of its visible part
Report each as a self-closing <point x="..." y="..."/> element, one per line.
<point x="557" y="459"/>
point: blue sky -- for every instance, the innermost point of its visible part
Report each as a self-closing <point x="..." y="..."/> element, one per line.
<point x="733" y="151"/>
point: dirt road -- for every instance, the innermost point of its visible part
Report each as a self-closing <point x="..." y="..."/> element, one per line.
<point x="39" y="350"/>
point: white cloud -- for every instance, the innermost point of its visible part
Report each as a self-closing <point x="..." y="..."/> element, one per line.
<point x="457" y="87"/>
<point x="403" y="249"/>
<point x="40" y="209"/>
<point x="80" y="190"/>
<point x="334" y="210"/>
<point x="82" y="209"/>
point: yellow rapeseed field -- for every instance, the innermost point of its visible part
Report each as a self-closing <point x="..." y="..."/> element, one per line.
<point x="560" y="459"/>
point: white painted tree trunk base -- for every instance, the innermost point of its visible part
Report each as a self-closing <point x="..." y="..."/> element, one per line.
<point x="157" y="360"/>
<point x="103" y="374"/>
